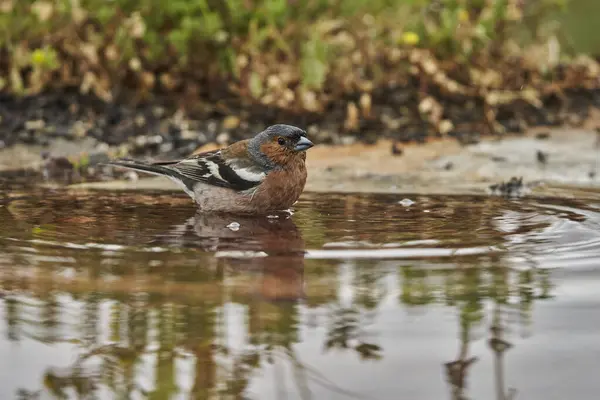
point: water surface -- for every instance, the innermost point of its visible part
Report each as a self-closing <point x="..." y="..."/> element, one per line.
<point x="133" y="295"/>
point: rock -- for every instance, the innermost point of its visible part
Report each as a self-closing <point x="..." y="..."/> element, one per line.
<point x="231" y="122"/>
<point x="131" y="176"/>
<point x="347" y="140"/>
<point x="396" y="149"/>
<point x="166" y="147"/>
<point x="189" y="135"/>
<point x="223" y="138"/>
<point x="35" y="125"/>
<point x="542" y="135"/>
<point x="513" y="188"/>
<point x="79" y="129"/>
<point x="352" y="120"/>
<point x="542" y="157"/>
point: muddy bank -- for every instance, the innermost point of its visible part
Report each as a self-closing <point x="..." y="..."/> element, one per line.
<point x="561" y="162"/>
<point x="162" y="129"/>
<point x="558" y="156"/>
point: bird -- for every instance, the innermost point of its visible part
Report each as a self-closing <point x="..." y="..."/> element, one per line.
<point x="259" y="175"/>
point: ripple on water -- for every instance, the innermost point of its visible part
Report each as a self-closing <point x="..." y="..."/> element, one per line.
<point x="348" y="288"/>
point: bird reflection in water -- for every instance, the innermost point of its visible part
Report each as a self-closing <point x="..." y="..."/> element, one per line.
<point x="271" y="246"/>
<point x="259" y="262"/>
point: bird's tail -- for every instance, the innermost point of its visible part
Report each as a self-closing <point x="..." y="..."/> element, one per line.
<point x="160" y="169"/>
<point x="144" y="167"/>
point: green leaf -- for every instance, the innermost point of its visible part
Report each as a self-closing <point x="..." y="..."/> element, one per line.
<point x="256" y="86"/>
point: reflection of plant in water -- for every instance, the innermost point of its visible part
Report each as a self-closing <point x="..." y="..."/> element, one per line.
<point x="273" y="325"/>
<point x="499" y="346"/>
<point x="11" y="307"/>
<point x="415" y="290"/>
<point x="345" y="332"/>
<point x="347" y="321"/>
<point x="468" y="288"/>
<point x="171" y="327"/>
<point x="84" y="379"/>
<point x="369" y="285"/>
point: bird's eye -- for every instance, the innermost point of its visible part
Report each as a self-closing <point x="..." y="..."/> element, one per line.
<point x="281" y="141"/>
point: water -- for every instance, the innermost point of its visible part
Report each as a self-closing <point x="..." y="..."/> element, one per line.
<point x="131" y="296"/>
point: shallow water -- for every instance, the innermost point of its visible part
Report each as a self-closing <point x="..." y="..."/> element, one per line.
<point x="132" y="296"/>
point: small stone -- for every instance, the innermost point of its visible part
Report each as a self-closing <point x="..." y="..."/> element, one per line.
<point x="156" y="139"/>
<point x="222" y="138"/>
<point x="158" y="112"/>
<point x="242" y="61"/>
<point x="123" y="149"/>
<point x="141" y="141"/>
<point x="148" y="79"/>
<point x="231" y="122"/>
<point x="513" y="188"/>
<point x="212" y="127"/>
<point x="131" y="176"/>
<point x="166" y="147"/>
<point x="273" y="81"/>
<point x="445" y="126"/>
<point x="406" y="202"/>
<point x="135" y="64"/>
<point x="288" y="96"/>
<point x="347" y="140"/>
<point x="309" y="100"/>
<point x="167" y="81"/>
<point x="79" y="129"/>
<point x="352" y="120"/>
<point x="102" y="148"/>
<point x="111" y="52"/>
<point x="201" y="138"/>
<point x="234" y="226"/>
<point x="365" y="104"/>
<point x="140" y="120"/>
<point x="35" y="125"/>
<point x="542" y="135"/>
<point x="188" y="135"/>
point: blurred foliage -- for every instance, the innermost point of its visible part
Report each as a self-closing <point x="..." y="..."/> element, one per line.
<point x="580" y="25"/>
<point x="299" y="55"/>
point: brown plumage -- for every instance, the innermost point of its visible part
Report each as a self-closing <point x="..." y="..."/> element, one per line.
<point x="254" y="176"/>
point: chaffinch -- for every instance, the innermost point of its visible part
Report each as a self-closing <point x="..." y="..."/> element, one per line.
<point x="253" y="176"/>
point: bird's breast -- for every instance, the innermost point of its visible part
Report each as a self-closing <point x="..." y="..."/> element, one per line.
<point x="281" y="188"/>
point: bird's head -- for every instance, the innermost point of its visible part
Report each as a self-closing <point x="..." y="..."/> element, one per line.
<point x="280" y="144"/>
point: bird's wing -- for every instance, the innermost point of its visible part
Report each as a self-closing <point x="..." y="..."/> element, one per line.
<point x="213" y="169"/>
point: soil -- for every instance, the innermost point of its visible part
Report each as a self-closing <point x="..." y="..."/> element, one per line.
<point x="62" y="139"/>
<point x="571" y="169"/>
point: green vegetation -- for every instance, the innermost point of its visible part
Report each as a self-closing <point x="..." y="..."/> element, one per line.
<point x="299" y="55"/>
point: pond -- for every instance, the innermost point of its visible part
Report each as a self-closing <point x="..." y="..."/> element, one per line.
<point x="355" y="296"/>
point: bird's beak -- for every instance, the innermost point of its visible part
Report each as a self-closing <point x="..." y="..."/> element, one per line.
<point x="303" y="144"/>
